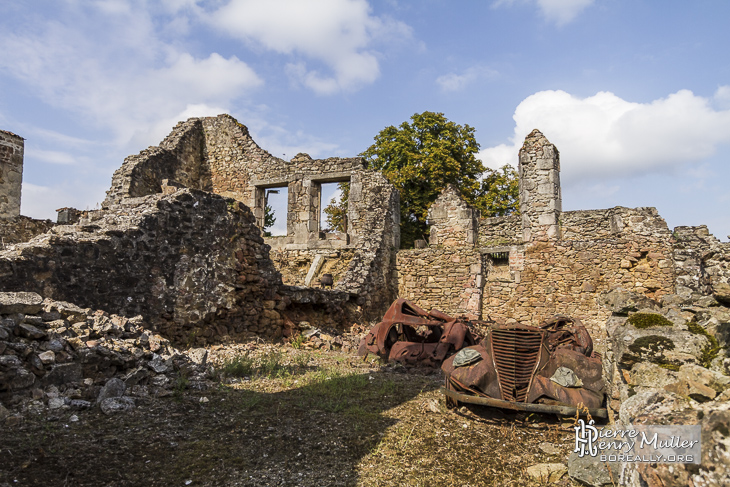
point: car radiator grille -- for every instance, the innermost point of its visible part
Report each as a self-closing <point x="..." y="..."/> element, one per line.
<point x="515" y="351"/>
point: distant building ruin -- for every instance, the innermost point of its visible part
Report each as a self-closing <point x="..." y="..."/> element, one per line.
<point x="11" y="173"/>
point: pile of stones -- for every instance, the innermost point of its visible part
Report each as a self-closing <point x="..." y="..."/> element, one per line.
<point x="56" y="355"/>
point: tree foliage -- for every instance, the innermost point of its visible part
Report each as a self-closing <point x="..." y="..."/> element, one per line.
<point x="336" y="211"/>
<point x="420" y="157"/>
<point x="269" y="219"/>
<point x="498" y="193"/>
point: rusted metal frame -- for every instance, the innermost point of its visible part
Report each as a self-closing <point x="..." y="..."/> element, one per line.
<point x="524" y="406"/>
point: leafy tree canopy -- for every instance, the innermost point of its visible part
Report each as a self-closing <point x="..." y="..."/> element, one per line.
<point x="420" y="158"/>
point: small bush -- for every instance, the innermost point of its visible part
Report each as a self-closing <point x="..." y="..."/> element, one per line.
<point x="240" y="366"/>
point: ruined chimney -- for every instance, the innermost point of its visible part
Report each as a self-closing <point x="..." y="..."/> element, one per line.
<point x="540" y="201"/>
<point x="11" y="173"/>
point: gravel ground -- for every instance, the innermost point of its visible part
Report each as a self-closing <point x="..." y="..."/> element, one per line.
<point x="279" y="416"/>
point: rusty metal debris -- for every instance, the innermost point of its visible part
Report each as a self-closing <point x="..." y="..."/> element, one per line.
<point x="411" y="335"/>
<point x="543" y="368"/>
<point x="550" y="368"/>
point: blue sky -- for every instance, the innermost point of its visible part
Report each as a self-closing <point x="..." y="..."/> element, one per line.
<point x="634" y="93"/>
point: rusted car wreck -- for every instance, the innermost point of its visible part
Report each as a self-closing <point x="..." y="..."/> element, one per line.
<point x="550" y="368"/>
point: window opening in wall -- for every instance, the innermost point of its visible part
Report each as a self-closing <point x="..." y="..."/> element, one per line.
<point x="499" y="269"/>
<point x="275" y="211"/>
<point x="333" y="217"/>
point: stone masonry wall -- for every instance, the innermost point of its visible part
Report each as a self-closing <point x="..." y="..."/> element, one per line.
<point x="21" y="229"/>
<point x="702" y="263"/>
<point x="453" y="222"/>
<point x="500" y="230"/>
<point x="448" y="279"/>
<point x="375" y="219"/>
<point x="192" y="263"/>
<point x="540" y="196"/>
<point x="11" y="173"/>
<point x="217" y="154"/>
<point x="178" y="157"/>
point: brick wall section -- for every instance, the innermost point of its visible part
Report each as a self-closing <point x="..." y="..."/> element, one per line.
<point x="500" y="230"/>
<point x="448" y="279"/>
<point x="21" y="229"/>
<point x="11" y="173"/>
<point x="192" y="263"/>
<point x="453" y="222"/>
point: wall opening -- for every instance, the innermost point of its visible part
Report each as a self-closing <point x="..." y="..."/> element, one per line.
<point x="499" y="268"/>
<point x="275" y="211"/>
<point x="333" y="214"/>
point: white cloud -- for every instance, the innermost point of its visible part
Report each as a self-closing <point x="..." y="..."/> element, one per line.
<point x="560" y="12"/>
<point x="49" y="156"/>
<point x="604" y="135"/>
<point x="457" y="82"/>
<point x="107" y="62"/>
<point x="722" y="96"/>
<point x="337" y="33"/>
<point x="43" y="201"/>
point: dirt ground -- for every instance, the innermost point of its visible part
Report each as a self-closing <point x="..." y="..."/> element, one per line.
<point x="286" y="417"/>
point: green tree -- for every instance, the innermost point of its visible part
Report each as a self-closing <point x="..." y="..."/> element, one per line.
<point x="420" y="158"/>
<point x="269" y="219"/>
<point x="498" y="193"/>
<point x="336" y="211"/>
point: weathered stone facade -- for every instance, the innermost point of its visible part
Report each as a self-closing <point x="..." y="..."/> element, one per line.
<point x="217" y="154"/>
<point x="540" y="199"/>
<point x="11" y="173"/>
<point x="544" y="262"/>
<point x="21" y="229"/>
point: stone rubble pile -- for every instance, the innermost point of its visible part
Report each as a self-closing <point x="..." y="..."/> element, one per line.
<point x="57" y="355"/>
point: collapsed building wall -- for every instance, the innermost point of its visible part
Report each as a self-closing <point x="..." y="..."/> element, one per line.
<point x="192" y="263"/>
<point x="217" y="154"/>
<point x="21" y="229"/>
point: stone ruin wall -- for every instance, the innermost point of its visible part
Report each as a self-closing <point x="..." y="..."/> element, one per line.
<point x="21" y="229"/>
<point x="192" y="263"/>
<point x="217" y="154"/>
<point x="544" y="262"/>
<point x="500" y="230"/>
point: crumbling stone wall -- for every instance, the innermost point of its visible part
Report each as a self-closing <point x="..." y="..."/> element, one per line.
<point x="192" y="263"/>
<point x="452" y="221"/>
<point x="545" y="262"/>
<point x="371" y="274"/>
<point x="21" y="229"/>
<point x="448" y="279"/>
<point x="500" y="230"/>
<point x="217" y="154"/>
<point x="306" y="267"/>
<point x="11" y="173"/>
<point x="179" y="157"/>
<point x="540" y="198"/>
<point x="702" y="264"/>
